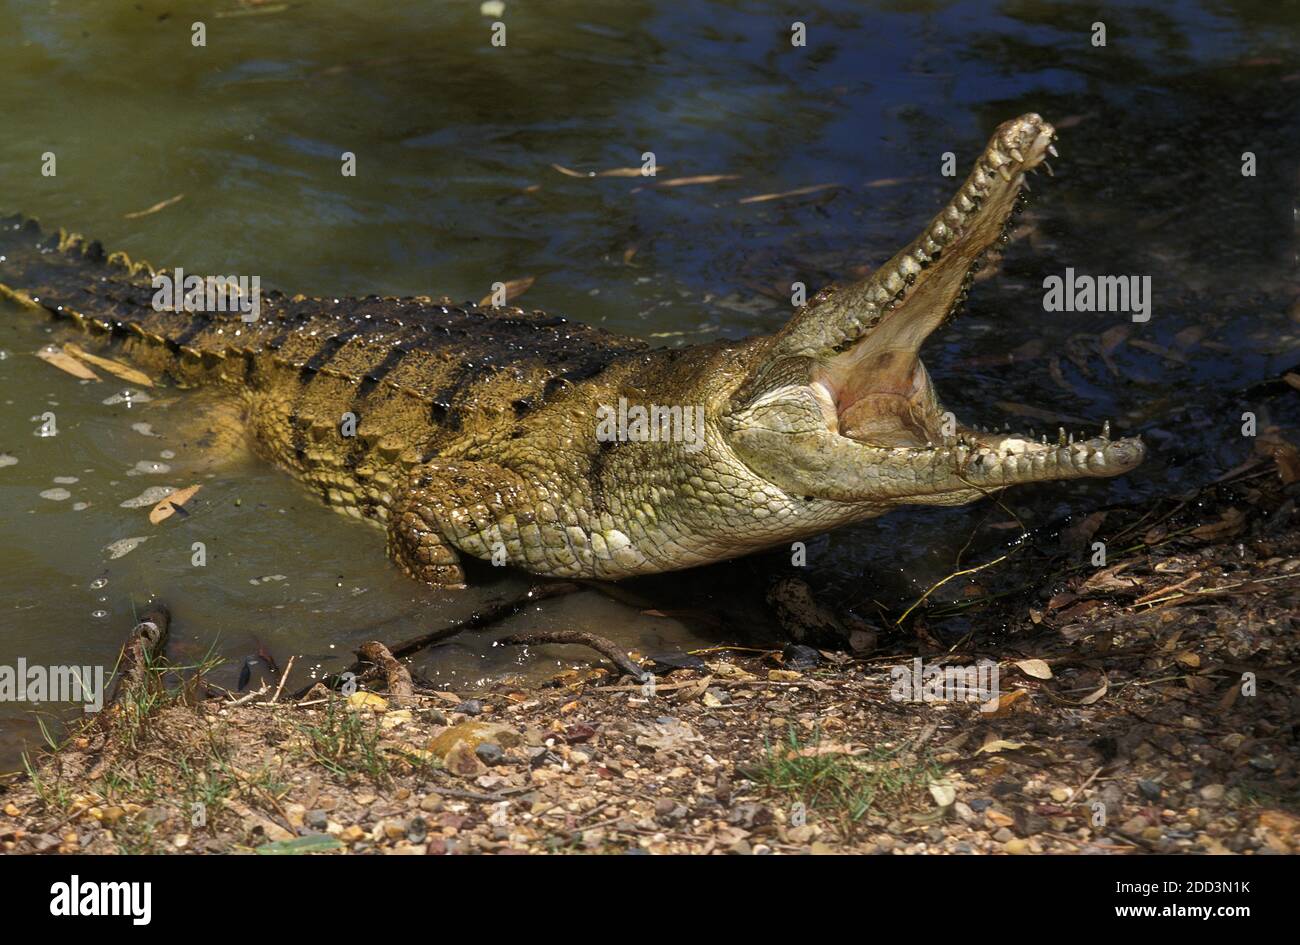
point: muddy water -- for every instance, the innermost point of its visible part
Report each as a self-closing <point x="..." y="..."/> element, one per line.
<point x="454" y="142"/>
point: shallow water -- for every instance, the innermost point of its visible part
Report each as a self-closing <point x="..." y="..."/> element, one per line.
<point x="455" y="143"/>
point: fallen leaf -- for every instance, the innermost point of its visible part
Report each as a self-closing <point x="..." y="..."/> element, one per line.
<point x="697" y="179"/>
<point x="67" y="364"/>
<point x="1229" y="524"/>
<point x="1002" y="704"/>
<point x="362" y="700"/>
<point x="611" y="172"/>
<point x="999" y="819"/>
<point x="115" y="368"/>
<point x="160" y="205"/>
<point x="514" y="289"/>
<point x="943" y="792"/>
<point x="1038" y="669"/>
<point x="1095" y="696"/>
<point x="798" y="192"/>
<point x="166" y="508"/>
<point x="998" y="745"/>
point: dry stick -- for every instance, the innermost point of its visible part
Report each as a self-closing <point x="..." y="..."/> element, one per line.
<point x="283" y="679"/>
<point x="475" y="621"/>
<point x="397" y="675"/>
<point x="605" y="647"/>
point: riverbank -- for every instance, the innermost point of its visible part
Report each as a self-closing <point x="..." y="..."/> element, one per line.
<point x="1145" y="706"/>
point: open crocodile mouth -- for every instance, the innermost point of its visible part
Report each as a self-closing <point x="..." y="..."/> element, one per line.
<point x="872" y="387"/>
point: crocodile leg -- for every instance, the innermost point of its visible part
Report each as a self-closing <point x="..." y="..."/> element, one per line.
<point x="450" y="507"/>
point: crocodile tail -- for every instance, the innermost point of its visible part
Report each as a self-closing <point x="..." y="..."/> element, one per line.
<point x="69" y="277"/>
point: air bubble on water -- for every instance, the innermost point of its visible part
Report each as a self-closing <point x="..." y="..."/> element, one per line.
<point x="148" y="467"/>
<point x="129" y="396"/>
<point x="56" y="495"/>
<point x="99" y="614"/>
<point x="65" y="480"/>
<point x="80" y="506"/>
<point x="167" y="454"/>
<point x="99" y="582"/>
<point x="144" y="429"/>
<point x="7" y="460"/>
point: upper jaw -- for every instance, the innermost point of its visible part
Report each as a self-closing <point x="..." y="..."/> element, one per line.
<point x="907" y="298"/>
<point x="869" y="378"/>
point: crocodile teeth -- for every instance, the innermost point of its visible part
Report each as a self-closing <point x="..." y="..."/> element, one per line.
<point x="1048" y="167"/>
<point x="1015" y="153"/>
<point x="1051" y="149"/>
<point x="1006" y="174"/>
<point x="1105" y="430"/>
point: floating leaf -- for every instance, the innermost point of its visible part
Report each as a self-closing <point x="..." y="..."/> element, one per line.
<point x="67" y="364"/>
<point x="697" y="179"/>
<point x="611" y="172"/>
<point x="797" y="192"/>
<point x="167" y="507"/>
<point x="115" y="368"/>
<point x="160" y="205"/>
<point x="514" y="289"/>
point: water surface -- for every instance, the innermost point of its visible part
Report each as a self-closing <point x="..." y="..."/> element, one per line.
<point x="455" y="144"/>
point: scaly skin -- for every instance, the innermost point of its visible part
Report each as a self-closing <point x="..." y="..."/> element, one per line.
<point x="476" y="429"/>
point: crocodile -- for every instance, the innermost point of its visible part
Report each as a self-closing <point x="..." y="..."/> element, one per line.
<point x="476" y="430"/>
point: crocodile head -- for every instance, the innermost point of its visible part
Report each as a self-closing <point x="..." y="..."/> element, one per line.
<point x="838" y="405"/>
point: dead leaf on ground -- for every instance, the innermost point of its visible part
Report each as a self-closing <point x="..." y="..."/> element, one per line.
<point x="1284" y="454"/>
<point x="166" y="508"/>
<point x="67" y="364"/>
<point x="998" y="745"/>
<point x="116" y="368"/>
<point x="1002" y="704"/>
<point x="1229" y="524"/>
<point x="1097" y="695"/>
<point x="1038" y="669"/>
<point x="943" y="792"/>
<point x="1108" y="579"/>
